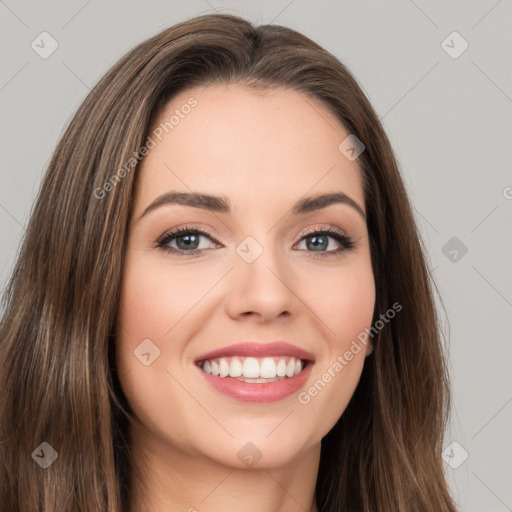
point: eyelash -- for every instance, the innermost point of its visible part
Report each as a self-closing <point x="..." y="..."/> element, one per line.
<point x="345" y="241"/>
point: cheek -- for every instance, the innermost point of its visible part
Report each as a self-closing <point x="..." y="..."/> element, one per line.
<point x="345" y="303"/>
<point x="146" y="312"/>
<point x="155" y="297"/>
<point x="157" y="303"/>
<point x="153" y="300"/>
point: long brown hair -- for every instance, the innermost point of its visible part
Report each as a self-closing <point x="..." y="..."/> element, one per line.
<point x="58" y="378"/>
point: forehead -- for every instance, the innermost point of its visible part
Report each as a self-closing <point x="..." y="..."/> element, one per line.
<point x="243" y="143"/>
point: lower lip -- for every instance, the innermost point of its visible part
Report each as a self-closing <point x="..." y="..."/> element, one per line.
<point x="258" y="392"/>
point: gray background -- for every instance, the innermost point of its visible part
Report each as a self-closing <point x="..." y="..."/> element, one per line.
<point x="448" y="120"/>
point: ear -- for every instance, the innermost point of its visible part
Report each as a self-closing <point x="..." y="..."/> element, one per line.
<point x="369" y="349"/>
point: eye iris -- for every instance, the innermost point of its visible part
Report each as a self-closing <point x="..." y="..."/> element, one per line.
<point x="191" y="241"/>
<point x="318" y="245"/>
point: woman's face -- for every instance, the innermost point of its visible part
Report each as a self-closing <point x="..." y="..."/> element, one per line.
<point x="255" y="273"/>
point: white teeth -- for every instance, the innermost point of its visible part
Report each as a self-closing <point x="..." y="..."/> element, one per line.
<point x="281" y="368"/>
<point x="290" y="368"/>
<point x="223" y="367"/>
<point x="264" y="369"/>
<point x="268" y="368"/>
<point x="259" y="381"/>
<point x="251" y="368"/>
<point x="235" y="369"/>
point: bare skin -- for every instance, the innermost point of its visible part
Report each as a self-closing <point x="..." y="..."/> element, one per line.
<point x="265" y="152"/>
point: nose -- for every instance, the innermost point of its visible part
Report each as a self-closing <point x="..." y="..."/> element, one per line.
<point x="260" y="289"/>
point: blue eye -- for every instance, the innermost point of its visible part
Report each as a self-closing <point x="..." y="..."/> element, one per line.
<point x="319" y="241"/>
<point x="187" y="241"/>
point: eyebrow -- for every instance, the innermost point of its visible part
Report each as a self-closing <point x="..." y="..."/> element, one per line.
<point x="222" y="204"/>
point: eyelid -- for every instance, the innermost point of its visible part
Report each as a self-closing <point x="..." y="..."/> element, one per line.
<point x="317" y="228"/>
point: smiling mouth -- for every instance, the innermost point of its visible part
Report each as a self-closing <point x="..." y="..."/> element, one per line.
<point x="254" y="369"/>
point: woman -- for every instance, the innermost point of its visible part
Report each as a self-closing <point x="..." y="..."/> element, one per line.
<point x="222" y="289"/>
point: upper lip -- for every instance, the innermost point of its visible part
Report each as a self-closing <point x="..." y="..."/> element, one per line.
<point x="257" y="349"/>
